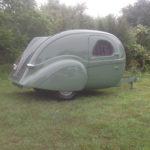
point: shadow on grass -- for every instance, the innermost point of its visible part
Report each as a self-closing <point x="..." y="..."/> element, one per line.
<point x="91" y="93"/>
<point x="53" y="96"/>
<point x="38" y="96"/>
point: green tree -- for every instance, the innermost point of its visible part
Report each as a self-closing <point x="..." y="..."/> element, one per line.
<point x="65" y="18"/>
<point x="143" y="36"/>
<point x="20" y="21"/>
<point x="138" y="13"/>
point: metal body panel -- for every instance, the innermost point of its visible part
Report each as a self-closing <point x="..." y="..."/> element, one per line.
<point x="104" y="71"/>
<point x="105" y="75"/>
<point x="75" y="44"/>
<point x="65" y="62"/>
<point x="59" y="75"/>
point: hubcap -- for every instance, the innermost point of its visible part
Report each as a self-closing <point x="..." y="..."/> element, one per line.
<point x="65" y="93"/>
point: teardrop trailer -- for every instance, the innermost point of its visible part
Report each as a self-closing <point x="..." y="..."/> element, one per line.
<point x="71" y="61"/>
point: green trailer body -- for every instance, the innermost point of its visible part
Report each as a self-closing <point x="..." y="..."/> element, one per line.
<point x="71" y="61"/>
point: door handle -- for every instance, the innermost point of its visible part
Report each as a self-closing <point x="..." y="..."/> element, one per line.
<point x="30" y="65"/>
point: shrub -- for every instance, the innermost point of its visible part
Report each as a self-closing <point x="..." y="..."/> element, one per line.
<point x="140" y="58"/>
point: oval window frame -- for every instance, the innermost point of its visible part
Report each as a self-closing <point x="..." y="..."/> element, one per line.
<point x="106" y="41"/>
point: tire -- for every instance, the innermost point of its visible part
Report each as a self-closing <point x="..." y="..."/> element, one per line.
<point x="66" y="95"/>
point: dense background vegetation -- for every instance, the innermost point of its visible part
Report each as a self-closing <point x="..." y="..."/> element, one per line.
<point x="21" y="20"/>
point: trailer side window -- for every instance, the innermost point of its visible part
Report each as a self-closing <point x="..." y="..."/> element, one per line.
<point x="103" y="48"/>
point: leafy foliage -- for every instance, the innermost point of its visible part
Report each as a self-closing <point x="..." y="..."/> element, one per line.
<point x="140" y="57"/>
<point x="65" y="18"/>
<point x="138" y="13"/>
<point x="20" y="21"/>
<point x="143" y="36"/>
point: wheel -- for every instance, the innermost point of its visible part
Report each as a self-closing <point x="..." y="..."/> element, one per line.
<point x="65" y="95"/>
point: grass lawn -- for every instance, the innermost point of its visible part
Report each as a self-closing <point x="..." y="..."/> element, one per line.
<point x="108" y="119"/>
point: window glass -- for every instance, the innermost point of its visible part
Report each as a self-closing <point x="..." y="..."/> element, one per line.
<point x="103" y="48"/>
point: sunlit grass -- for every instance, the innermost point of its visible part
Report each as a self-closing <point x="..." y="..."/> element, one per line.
<point x="108" y="119"/>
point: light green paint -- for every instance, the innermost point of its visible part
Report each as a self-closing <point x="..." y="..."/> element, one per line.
<point x="65" y="62"/>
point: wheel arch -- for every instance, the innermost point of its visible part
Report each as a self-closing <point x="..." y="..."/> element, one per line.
<point x="62" y="75"/>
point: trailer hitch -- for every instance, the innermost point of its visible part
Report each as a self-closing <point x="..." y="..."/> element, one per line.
<point x="131" y="79"/>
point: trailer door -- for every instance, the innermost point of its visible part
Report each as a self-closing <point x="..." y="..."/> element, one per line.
<point x="103" y="67"/>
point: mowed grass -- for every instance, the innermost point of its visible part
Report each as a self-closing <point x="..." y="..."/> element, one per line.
<point x="108" y="119"/>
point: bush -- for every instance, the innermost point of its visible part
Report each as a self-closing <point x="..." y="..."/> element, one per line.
<point x="140" y="58"/>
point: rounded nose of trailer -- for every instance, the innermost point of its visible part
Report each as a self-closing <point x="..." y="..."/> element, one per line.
<point x="20" y="66"/>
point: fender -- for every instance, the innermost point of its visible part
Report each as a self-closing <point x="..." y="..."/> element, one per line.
<point x="63" y="75"/>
